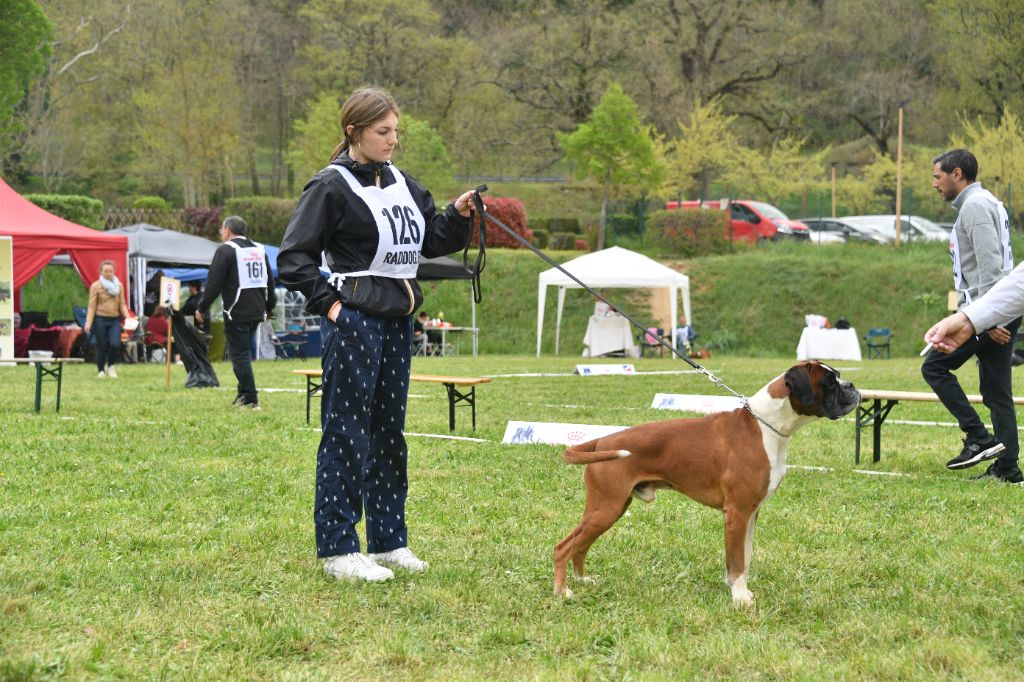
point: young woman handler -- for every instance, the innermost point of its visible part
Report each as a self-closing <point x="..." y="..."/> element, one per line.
<point x="371" y="222"/>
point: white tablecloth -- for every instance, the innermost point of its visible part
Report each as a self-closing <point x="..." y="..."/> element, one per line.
<point x="828" y="344"/>
<point x="609" y="335"/>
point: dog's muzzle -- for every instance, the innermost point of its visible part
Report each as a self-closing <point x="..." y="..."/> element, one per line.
<point x="841" y="401"/>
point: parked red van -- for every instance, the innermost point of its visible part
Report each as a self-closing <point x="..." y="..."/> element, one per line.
<point x="752" y="220"/>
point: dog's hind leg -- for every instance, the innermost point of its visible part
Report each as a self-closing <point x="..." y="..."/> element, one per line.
<point x="583" y="545"/>
<point x="576" y="544"/>
<point x="739" y="531"/>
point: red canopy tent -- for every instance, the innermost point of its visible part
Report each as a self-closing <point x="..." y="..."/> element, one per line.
<point x="38" y="236"/>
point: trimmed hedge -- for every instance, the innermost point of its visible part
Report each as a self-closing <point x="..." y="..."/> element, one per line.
<point x="621" y="223"/>
<point x="563" y="241"/>
<point x="74" y="207"/>
<point x="152" y="202"/>
<point x="509" y="211"/>
<point x="267" y="217"/>
<point x="541" y="238"/>
<point x="564" y="225"/>
<point x="690" y="232"/>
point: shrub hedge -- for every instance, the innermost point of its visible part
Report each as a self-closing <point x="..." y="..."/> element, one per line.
<point x="622" y="223"/>
<point x="690" y="232"/>
<point x="74" y="207"/>
<point x="541" y="238"/>
<point x="510" y="211"/>
<point x="562" y="241"/>
<point x="564" y="225"/>
<point x="204" y="221"/>
<point x="267" y="216"/>
<point x="152" y="202"/>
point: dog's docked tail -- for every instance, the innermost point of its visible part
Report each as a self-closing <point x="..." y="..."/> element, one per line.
<point x="585" y="453"/>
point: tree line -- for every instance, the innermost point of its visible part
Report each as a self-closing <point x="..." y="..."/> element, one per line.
<point x="198" y="101"/>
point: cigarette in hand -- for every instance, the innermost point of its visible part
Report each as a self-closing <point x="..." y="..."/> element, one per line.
<point x="926" y="349"/>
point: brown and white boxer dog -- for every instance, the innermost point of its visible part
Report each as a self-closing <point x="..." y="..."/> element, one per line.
<point x="731" y="461"/>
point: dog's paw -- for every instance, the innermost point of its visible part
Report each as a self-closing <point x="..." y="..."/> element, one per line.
<point x="742" y="598"/>
<point x="564" y="593"/>
<point x="585" y="579"/>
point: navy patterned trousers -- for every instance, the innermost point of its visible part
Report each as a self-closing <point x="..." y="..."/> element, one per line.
<point x="362" y="460"/>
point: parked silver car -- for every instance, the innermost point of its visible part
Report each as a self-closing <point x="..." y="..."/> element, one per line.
<point x="912" y="228"/>
<point x="832" y="230"/>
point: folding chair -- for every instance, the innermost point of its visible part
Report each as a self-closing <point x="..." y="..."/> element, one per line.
<point x="649" y="343"/>
<point x="878" y="341"/>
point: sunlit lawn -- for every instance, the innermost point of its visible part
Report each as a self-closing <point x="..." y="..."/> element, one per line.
<point x="153" y="532"/>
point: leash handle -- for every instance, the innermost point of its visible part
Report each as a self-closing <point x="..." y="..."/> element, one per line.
<point x="481" y="254"/>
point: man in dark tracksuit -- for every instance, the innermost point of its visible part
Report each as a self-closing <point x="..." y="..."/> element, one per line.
<point x="980" y="249"/>
<point x="240" y="273"/>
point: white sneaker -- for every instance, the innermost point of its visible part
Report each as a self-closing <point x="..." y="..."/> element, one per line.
<point x="356" y="565"/>
<point x="111" y="372"/>
<point x="402" y="558"/>
<point x="101" y="375"/>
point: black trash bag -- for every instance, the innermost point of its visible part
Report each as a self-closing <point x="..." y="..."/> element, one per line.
<point x="191" y="345"/>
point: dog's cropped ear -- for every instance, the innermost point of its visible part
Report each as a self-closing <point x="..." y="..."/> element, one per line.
<point x="799" y="382"/>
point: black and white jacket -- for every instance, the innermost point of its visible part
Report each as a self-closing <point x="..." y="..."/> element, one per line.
<point x="332" y="220"/>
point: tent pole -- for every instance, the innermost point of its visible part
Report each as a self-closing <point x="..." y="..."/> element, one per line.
<point x="558" y="319"/>
<point x="673" y="310"/>
<point x="542" y="292"/>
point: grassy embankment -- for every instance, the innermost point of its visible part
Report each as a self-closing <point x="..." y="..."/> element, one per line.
<point x="750" y="303"/>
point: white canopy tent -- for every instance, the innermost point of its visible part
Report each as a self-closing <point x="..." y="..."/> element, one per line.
<point x="614" y="267"/>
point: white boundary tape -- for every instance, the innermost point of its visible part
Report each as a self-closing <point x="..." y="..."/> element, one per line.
<point x="574" y="374"/>
<point x="444" y="437"/>
<point x="441" y="436"/>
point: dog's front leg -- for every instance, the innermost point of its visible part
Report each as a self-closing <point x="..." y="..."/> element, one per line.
<point x="739" y="530"/>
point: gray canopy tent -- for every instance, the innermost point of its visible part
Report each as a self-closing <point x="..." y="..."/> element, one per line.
<point x="152" y="245"/>
<point x="448" y="268"/>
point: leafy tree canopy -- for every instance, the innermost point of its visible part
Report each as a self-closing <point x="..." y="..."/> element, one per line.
<point x="24" y="47"/>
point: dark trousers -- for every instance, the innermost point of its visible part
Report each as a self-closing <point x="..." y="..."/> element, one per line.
<point x="362" y="460"/>
<point x="995" y="383"/>
<point x="239" y="340"/>
<point x="108" y="340"/>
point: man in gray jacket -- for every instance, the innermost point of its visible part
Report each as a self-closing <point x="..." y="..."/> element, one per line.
<point x="980" y="249"/>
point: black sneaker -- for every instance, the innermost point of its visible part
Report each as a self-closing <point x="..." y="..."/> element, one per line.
<point x="243" y="403"/>
<point x="976" y="451"/>
<point x="1012" y="476"/>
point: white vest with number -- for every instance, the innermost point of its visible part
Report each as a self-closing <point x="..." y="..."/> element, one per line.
<point x="252" y="269"/>
<point x="399" y="227"/>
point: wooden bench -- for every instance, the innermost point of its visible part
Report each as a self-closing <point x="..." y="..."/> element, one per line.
<point x="314" y="387"/>
<point x="54" y="373"/>
<point x="875" y="414"/>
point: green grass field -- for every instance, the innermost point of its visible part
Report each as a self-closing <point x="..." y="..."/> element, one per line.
<point x="152" y="532"/>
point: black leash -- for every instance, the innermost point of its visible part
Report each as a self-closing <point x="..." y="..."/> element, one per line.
<point x="481" y="260"/>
